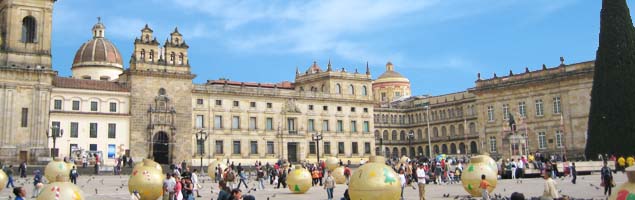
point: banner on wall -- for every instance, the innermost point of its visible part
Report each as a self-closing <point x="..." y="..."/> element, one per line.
<point x="111" y="151"/>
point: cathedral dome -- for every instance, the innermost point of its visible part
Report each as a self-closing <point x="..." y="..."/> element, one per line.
<point x="391" y="76"/>
<point x="98" y="58"/>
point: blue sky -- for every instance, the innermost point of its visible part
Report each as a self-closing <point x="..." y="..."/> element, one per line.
<point x="440" y="45"/>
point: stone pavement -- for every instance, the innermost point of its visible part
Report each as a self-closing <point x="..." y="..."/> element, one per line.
<point x="115" y="187"/>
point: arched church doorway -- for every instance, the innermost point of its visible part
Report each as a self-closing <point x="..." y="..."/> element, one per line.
<point x="161" y="148"/>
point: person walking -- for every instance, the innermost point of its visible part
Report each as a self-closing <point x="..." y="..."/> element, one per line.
<point x="225" y="192"/>
<point x="329" y="185"/>
<point x="178" y="195"/>
<point x="574" y="173"/>
<point x="260" y="176"/>
<point x="607" y="179"/>
<point x="347" y="174"/>
<point x="550" y="191"/>
<point x="484" y="186"/>
<point x="514" y="167"/>
<point x="168" y="187"/>
<point x="22" y="169"/>
<point x="402" y="178"/>
<point x="195" y="182"/>
<point x="243" y="180"/>
<point x="9" y="172"/>
<point x="188" y="189"/>
<point x="20" y="193"/>
<point x="282" y="180"/>
<point x="37" y="183"/>
<point x="421" y="182"/>
<point x="73" y="175"/>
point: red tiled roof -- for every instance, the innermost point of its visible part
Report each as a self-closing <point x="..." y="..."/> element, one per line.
<point x="281" y="85"/>
<point x="88" y="84"/>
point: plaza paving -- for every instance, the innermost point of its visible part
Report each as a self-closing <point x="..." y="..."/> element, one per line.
<point x="115" y="187"/>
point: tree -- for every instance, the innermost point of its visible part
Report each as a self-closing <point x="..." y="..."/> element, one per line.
<point x="611" y="127"/>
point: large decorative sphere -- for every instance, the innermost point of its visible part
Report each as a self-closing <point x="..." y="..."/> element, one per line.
<point x="374" y="180"/>
<point x="403" y="160"/>
<point x="338" y="175"/>
<point x="299" y="180"/>
<point x="625" y="191"/>
<point x="149" y="162"/>
<point x="471" y="176"/>
<point x="61" y="189"/>
<point x="3" y="180"/>
<point x="211" y="167"/>
<point x="148" y="180"/>
<point x="56" y="168"/>
<point x="332" y="163"/>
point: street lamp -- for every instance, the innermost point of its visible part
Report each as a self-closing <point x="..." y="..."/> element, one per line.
<point x="411" y="136"/>
<point x="55" y="132"/>
<point x="317" y="137"/>
<point x="201" y="137"/>
<point x="428" y="130"/>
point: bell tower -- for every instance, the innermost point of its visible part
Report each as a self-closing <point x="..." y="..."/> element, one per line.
<point x="25" y="33"/>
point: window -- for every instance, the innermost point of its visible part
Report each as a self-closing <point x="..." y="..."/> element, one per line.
<point x="505" y="111"/>
<point x="339" y="108"/>
<point x="327" y="147"/>
<point x="143" y="54"/>
<point x="354" y="126"/>
<point x="559" y="139"/>
<point x="352" y="109"/>
<point x="311" y="125"/>
<point x="218" y="122"/>
<point x="340" y="126"/>
<point x="112" y="130"/>
<point x="325" y="125"/>
<point x="556" y="105"/>
<point x="219" y="102"/>
<point x="57" y="105"/>
<point x="354" y="145"/>
<point x="74" y="129"/>
<point x="75" y="105"/>
<point x="25" y="117"/>
<point x="397" y="94"/>
<point x="253" y="147"/>
<point x="151" y="56"/>
<point x="542" y="140"/>
<point x="311" y="147"/>
<point x="291" y="126"/>
<point x="310" y="107"/>
<point x="56" y="131"/>
<point x="93" y="130"/>
<point x="199" y="101"/>
<point x="539" y="108"/>
<point x="340" y="148"/>
<point x="490" y="113"/>
<point x="269" y="105"/>
<point x="351" y="89"/>
<point x="325" y="108"/>
<point x="28" y="29"/>
<point x="236" y="104"/>
<point x="235" y="122"/>
<point x="252" y="104"/>
<point x="93" y="106"/>
<point x="270" y="149"/>
<point x="338" y="89"/>
<point x="364" y="91"/>
<point x="366" y="128"/>
<point x="383" y="96"/>
<point x="93" y="147"/>
<point x="200" y="121"/>
<point x="252" y="123"/>
<point x="218" y="147"/>
<point x="492" y="144"/>
<point x="236" y="147"/>
<point x="521" y="109"/>
<point x="366" y="147"/>
<point x="113" y="107"/>
<point x="365" y="110"/>
<point x="269" y="124"/>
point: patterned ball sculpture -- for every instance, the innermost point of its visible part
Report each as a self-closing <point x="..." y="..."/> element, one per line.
<point x="211" y="167"/>
<point x="338" y="174"/>
<point x="147" y="179"/>
<point x="374" y="180"/>
<point x="56" y="168"/>
<point x="61" y="189"/>
<point x="3" y="180"/>
<point x="149" y="162"/>
<point x="299" y="180"/>
<point x="332" y="163"/>
<point x="471" y="177"/>
<point x="403" y="160"/>
<point x="626" y="191"/>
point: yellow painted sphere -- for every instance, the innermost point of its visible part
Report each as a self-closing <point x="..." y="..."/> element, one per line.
<point x="56" y="168"/>
<point x="3" y="180"/>
<point x="150" y="162"/>
<point x="471" y="176"/>
<point x="61" y="189"/>
<point x="338" y="175"/>
<point x="625" y="191"/>
<point x="403" y="159"/>
<point x="375" y="180"/>
<point x="299" y="180"/>
<point x="147" y="180"/>
<point x="211" y="167"/>
<point x="332" y="163"/>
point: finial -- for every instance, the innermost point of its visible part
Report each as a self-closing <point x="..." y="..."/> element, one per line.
<point x="544" y="67"/>
<point x="343" y="70"/>
<point x="297" y="71"/>
<point x="561" y="60"/>
<point x="98" y="19"/>
<point x="328" y="67"/>
<point x="526" y="70"/>
<point x="495" y="75"/>
<point x="367" y="69"/>
<point x="176" y="29"/>
<point x="478" y="76"/>
<point x="329" y="62"/>
<point x="356" y="71"/>
<point x="146" y="26"/>
<point x="511" y="73"/>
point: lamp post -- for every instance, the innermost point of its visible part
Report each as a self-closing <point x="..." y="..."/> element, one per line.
<point x="428" y="130"/>
<point x="55" y="132"/>
<point x="411" y="136"/>
<point x="317" y="137"/>
<point x="201" y="137"/>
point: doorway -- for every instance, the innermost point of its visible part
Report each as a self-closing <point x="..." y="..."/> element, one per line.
<point x="292" y="149"/>
<point x="161" y="148"/>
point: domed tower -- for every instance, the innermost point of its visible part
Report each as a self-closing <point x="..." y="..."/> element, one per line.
<point x="390" y="86"/>
<point x="97" y="59"/>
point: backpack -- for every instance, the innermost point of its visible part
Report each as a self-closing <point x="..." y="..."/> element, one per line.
<point x="347" y="172"/>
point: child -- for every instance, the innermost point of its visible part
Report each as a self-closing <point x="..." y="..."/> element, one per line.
<point x="483" y="186"/>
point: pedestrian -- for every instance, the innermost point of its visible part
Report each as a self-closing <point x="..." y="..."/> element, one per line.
<point x="347" y="174"/>
<point x="329" y="185"/>
<point x="260" y="176"/>
<point x="520" y="168"/>
<point x="315" y="176"/>
<point x="37" y="183"/>
<point x="574" y="173"/>
<point x="178" y="187"/>
<point x="9" y="172"/>
<point x="550" y="192"/>
<point x="195" y="182"/>
<point x="607" y="179"/>
<point x="514" y="167"/>
<point x="484" y="186"/>
<point x="421" y="182"/>
<point x="282" y="179"/>
<point x="73" y="175"/>
<point x="243" y="179"/>
<point x="183" y="165"/>
<point x="225" y="192"/>
<point x="22" y="169"/>
<point x="84" y="162"/>
<point x="20" y="193"/>
<point x="517" y="196"/>
<point x="237" y="194"/>
<point x="188" y="189"/>
<point x="402" y="178"/>
<point x="130" y="162"/>
<point x="168" y="187"/>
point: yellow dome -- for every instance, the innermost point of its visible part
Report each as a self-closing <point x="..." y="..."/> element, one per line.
<point x="390" y="75"/>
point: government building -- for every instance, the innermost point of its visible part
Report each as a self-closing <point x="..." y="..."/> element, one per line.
<point x="152" y="108"/>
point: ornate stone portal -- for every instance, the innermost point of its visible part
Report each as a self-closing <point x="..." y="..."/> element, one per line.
<point x="161" y="128"/>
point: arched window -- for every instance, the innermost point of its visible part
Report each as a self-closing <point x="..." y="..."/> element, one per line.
<point x="181" y="58"/>
<point x="419" y="134"/>
<point x="452" y="130"/>
<point x="151" y="55"/>
<point x="143" y="55"/>
<point x="461" y="129"/>
<point x="351" y="89"/>
<point x="394" y="135"/>
<point x="473" y="148"/>
<point x="28" y="29"/>
<point x="462" y="148"/>
<point x="472" y="128"/>
<point x="402" y="136"/>
<point x="436" y="149"/>
<point x="452" y="148"/>
<point x="435" y="132"/>
<point x="364" y="91"/>
<point x="385" y="136"/>
<point x="338" y="89"/>
<point x="322" y="89"/>
<point x="444" y="131"/>
<point x="172" y="57"/>
<point x="444" y="149"/>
